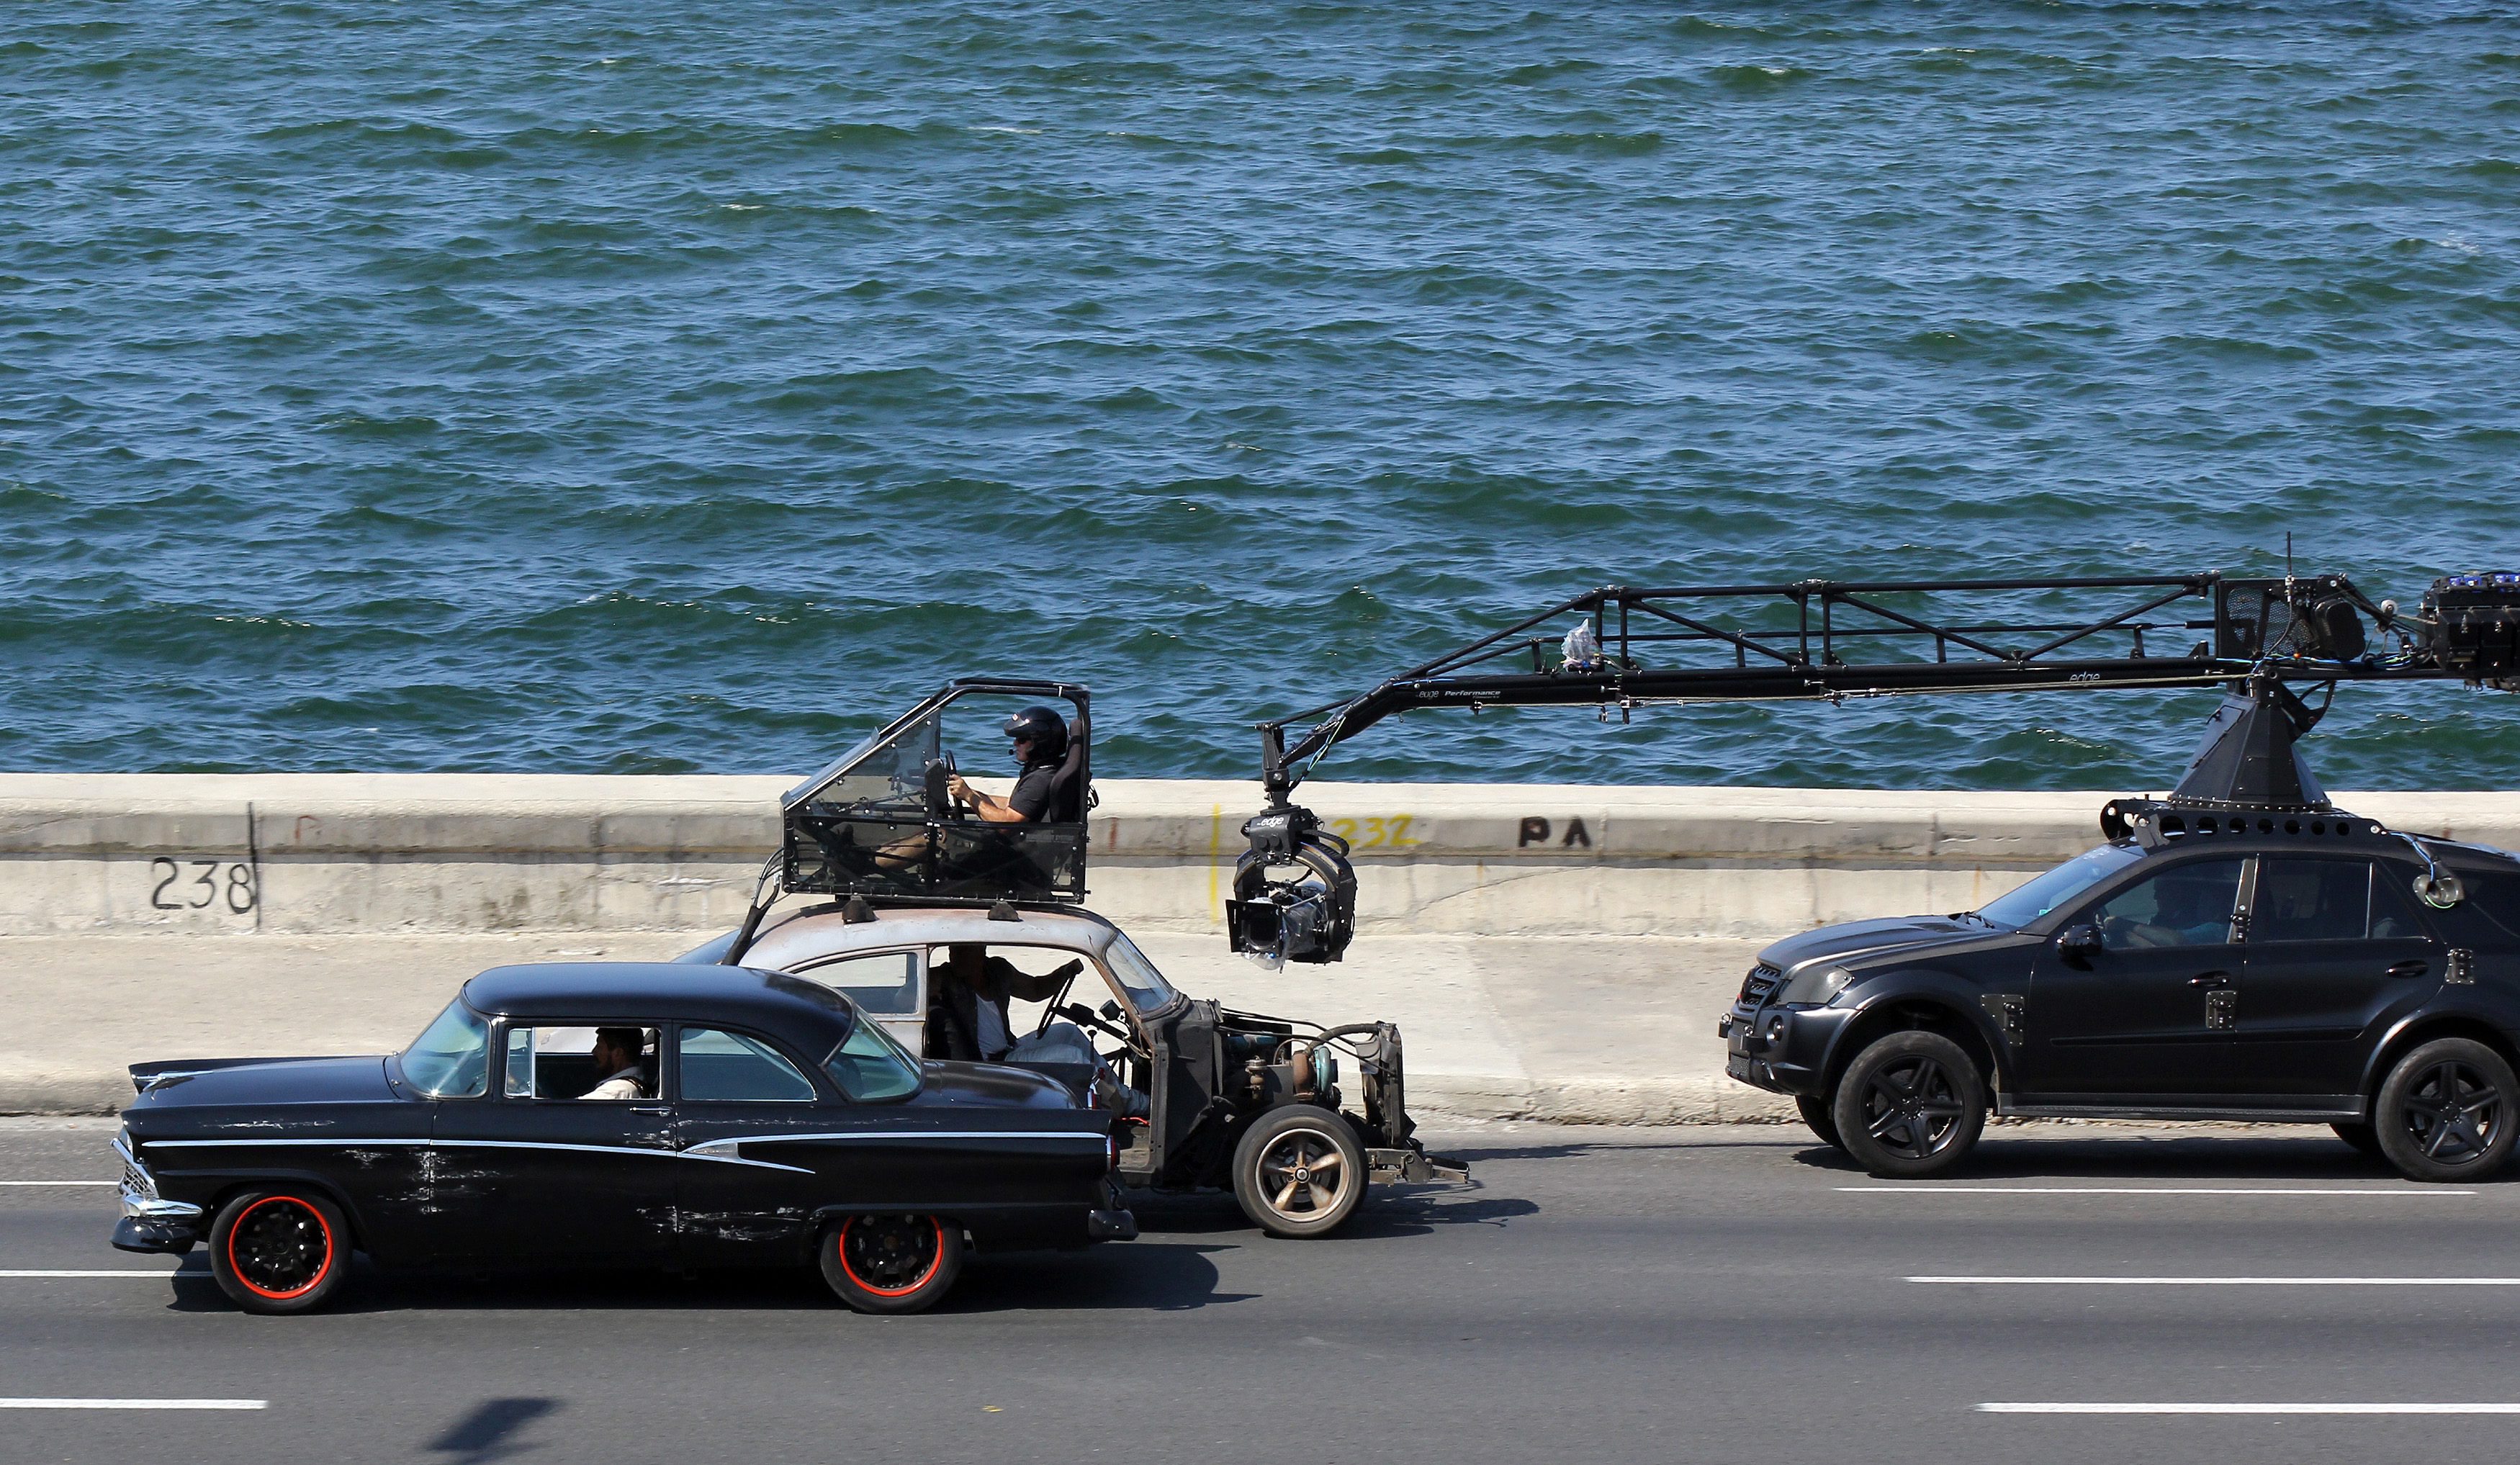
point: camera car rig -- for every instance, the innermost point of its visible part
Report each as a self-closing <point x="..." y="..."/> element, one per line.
<point x="1297" y="1118"/>
<point x="2268" y="640"/>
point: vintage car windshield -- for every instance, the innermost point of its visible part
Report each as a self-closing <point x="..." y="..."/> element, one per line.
<point x="451" y="1059"/>
<point x="871" y="1067"/>
<point x="2019" y="908"/>
<point x="1147" y="990"/>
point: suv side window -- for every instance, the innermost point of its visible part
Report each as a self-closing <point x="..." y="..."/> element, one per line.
<point x="2185" y="905"/>
<point x="2301" y="898"/>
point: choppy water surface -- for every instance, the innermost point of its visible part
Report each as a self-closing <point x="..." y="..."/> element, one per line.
<point x="642" y="388"/>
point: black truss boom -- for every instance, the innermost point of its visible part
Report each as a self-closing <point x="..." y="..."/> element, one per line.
<point x="1828" y="640"/>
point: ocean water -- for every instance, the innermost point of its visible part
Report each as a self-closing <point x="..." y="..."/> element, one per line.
<point x="618" y="386"/>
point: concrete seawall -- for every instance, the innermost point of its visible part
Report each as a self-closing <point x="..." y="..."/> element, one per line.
<point x="350" y="853"/>
<point x="1553" y="951"/>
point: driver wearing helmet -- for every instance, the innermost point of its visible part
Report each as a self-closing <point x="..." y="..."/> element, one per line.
<point x="1040" y="740"/>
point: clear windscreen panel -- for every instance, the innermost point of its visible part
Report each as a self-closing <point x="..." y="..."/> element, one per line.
<point x="885" y="820"/>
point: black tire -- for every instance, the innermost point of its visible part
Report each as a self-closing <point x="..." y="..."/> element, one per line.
<point x="2359" y="1136"/>
<point x="891" y="1264"/>
<point x="279" y="1250"/>
<point x="1299" y="1172"/>
<point x="1912" y="1105"/>
<point x="1815" y="1113"/>
<point x="2445" y="1112"/>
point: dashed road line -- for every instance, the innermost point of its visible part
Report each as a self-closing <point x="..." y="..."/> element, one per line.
<point x="2408" y="1192"/>
<point x="133" y="1403"/>
<point x="2062" y="1281"/>
<point x="2248" y="1408"/>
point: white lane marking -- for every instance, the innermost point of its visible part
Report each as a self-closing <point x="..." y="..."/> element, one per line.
<point x="119" y="1271"/>
<point x="2231" y="1281"/>
<point x="132" y="1403"/>
<point x="2246" y="1409"/>
<point x="60" y="1183"/>
<point x="2130" y="1190"/>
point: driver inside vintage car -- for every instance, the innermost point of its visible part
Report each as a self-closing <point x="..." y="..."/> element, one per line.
<point x="617" y="1059"/>
<point x="966" y="1019"/>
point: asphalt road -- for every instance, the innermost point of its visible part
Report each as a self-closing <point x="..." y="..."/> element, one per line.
<point x="1717" y="1294"/>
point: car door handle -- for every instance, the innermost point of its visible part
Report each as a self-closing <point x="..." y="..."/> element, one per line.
<point x="2408" y="969"/>
<point x="2211" y="979"/>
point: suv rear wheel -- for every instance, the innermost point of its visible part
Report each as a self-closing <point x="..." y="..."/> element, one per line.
<point x="1910" y="1105"/>
<point x="2446" y="1111"/>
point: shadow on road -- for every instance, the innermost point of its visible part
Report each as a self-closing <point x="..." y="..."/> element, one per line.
<point x="489" y="1431"/>
<point x="2308" y="1155"/>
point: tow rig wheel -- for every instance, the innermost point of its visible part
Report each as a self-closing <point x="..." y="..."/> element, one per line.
<point x="891" y="1264"/>
<point x="1298" y="1170"/>
<point x="280" y="1250"/>
<point x="2446" y="1111"/>
<point x="1816" y="1114"/>
<point x="1912" y="1105"/>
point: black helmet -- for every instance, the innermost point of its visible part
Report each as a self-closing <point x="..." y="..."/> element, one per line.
<point x="1044" y="730"/>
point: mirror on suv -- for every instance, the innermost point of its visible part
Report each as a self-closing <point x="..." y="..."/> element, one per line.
<point x="2078" y="944"/>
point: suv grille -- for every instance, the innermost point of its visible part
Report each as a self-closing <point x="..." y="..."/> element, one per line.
<point x="1763" y="981"/>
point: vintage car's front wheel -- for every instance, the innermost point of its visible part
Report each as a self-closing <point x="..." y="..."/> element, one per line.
<point x="892" y="1263"/>
<point x="279" y="1251"/>
<point x="1299" y="1170"/>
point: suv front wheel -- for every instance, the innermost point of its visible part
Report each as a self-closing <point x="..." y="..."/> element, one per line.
<point x="1912" y="1105"/>
<point x="2446" y="1111"/>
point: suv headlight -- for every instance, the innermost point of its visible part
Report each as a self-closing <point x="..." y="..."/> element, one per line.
<point x="1815" y="985"/>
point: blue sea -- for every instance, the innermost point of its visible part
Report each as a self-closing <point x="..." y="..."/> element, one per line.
<point x="619" y="385"/>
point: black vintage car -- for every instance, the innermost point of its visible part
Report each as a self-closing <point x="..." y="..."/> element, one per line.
<point x="2305" y="966"/>
<point x="615" y="1114"/>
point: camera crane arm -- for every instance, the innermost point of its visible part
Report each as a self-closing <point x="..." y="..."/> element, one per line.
<point x="1829" y="639"/>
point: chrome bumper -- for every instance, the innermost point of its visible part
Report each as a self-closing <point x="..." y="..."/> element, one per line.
<point x="140" y="1198"/>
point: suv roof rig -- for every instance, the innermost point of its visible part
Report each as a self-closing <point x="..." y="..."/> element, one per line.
<point x="2266" y="640"/>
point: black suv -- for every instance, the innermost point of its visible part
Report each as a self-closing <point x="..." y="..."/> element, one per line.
<point x="2300" y="967"/>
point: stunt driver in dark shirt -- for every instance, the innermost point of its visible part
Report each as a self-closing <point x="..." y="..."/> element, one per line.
<point x="1039" y="743"/>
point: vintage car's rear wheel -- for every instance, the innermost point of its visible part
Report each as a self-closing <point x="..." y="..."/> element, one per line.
<point x="892" y="1263"/>
<point x="1910" y="1105"/>
<point x="279" y="1251"/>
<point x="1299" y="1170"/>
<point x="2445" y="1112"/>
<point x="1815" y="1113"/>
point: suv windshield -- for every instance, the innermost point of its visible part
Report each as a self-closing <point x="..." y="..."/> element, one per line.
<point x="1147" y="990"/>
<point x="451" y="1059"/>
<point x="2019" y="908"/>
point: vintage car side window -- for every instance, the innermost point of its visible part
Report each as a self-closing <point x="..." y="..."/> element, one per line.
<point x="2185" y="905"/>
<point x="720" y="1066"/>
<point x="871" y="1067"/>
<point x="2305" y="899"/>
<point x="886" y="983"/>
<point x="606" y="1064"/>
<point x="451" y="1057"/>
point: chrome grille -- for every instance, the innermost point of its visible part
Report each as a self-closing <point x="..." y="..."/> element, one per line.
<point x="1761" y="982"/>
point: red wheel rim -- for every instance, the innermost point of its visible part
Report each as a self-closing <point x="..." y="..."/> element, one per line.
<point x="935" y="1257"/>
<point x="280" y="1247"/>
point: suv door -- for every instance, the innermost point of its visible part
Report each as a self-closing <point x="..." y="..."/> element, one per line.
<point x="2335" y="947"/>
<point x="2141" y="1022"/>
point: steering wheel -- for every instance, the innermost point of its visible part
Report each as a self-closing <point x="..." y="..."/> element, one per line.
<point x="1085" y="1018"/>
<point x="941" y="803"/>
